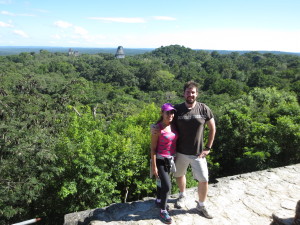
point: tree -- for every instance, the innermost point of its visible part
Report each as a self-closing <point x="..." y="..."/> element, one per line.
<point x="162" y="80"/>
<point x="229" y="86"/>
<point x="251" y="134"/>
<point x="100" y="162"/>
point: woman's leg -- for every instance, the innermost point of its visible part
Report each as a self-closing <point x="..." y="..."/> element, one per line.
<point x="165" y="183"/>
<point x="158" y="191"/>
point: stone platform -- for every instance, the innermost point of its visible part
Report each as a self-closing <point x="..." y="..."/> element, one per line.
<point x="245" y="199"/>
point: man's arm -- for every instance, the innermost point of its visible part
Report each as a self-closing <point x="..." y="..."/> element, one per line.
<point x="211" y="136"/>
<point x="212" y="132"/>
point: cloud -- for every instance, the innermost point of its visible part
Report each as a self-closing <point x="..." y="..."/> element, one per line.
<point x="25" y="14"/>
<point x="7" y="13"/>
<point x="131" y="19"/>
<point x="2" y="24"/>
<point x="80" y="30"/>
<point x="21" y="33"/>
<point x="164" y="18"/>
<point x="223" y="39"/>
<point x="13" y="14"/>
<point x="75" y="32"/>
<point x="56" y="36"/>
<point x="63" y="24"/>
<point x="120" y="19"/>
<point x="41" y="10"/>
<point x="5" y="2"/>
<point x="76" y="29"/>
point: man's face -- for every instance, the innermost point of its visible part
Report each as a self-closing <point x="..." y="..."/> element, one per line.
<point x="190" y="95"/>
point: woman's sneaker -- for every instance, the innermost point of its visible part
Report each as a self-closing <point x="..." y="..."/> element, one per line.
<point x="165" y="216"/>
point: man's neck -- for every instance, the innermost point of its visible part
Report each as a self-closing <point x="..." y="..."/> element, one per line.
<point x="190" y="106"/>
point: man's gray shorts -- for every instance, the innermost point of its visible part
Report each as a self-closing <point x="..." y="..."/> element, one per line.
<point x="199" y="166"/>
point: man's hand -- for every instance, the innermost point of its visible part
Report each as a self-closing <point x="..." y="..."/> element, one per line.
<point x="204" y="153"/>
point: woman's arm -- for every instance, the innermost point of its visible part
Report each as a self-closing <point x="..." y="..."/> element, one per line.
<point x="154" y="139"/>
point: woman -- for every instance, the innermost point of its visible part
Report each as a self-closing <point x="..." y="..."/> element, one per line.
<point x="163" y="149"/>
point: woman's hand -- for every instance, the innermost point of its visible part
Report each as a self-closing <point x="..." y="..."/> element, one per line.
<point x="155" y="172"/>
<point x="154" y="129"/>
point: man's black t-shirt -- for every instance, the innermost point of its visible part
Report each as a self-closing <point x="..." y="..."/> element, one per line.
<point x="190" y="124"/>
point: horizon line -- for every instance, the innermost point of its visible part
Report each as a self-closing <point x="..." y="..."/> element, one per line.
<point x="45" y="46"/>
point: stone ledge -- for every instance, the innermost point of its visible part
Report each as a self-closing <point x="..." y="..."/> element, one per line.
<point x="243" y="199"/>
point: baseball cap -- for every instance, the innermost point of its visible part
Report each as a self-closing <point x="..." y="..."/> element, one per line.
<point x="167" y="107"/>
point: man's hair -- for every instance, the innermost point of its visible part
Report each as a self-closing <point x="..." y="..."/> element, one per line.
<point x="190" y="84"/>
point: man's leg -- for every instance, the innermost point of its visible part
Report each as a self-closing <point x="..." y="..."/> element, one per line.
<point x="200" y="172"/>
<point x="182" y="163"/>
<point x="181" y="182"/>
<point x="202" y="191"/>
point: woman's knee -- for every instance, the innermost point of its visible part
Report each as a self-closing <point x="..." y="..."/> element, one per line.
<point x="166" y="186"/>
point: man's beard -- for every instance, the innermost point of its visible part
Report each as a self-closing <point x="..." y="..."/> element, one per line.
<point x="190" y="101"/>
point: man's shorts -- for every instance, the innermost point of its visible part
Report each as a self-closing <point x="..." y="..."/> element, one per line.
<point x="199" y="166"/>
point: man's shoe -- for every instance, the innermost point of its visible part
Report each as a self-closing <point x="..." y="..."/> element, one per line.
<point x="180" y="203"/>
<point x="203" y="211"/>
<point x="165" y="217"/>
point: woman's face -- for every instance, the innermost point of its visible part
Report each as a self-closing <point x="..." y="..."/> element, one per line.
<point x="168" y="115"/>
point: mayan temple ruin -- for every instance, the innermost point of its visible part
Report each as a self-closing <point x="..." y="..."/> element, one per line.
<point x="120" y="53"/>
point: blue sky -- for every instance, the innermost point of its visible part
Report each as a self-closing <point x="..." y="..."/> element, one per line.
<point x="198" y="24"/>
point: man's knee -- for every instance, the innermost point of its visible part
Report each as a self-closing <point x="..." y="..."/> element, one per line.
<point x="200" y="177"/>
<point x="202" y="183"/>
<point x="179" y="179"/>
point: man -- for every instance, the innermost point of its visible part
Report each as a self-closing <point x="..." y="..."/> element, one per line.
<point x="190" y="119"/>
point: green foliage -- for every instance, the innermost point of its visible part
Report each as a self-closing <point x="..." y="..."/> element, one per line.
<point x="253" y="131"/>
<point x="75" y="130"/>
<point x="288" y="135"/>
<point x="82" y="165"/>
<point x="103" y="162"/>
<point x="232" y="87"/>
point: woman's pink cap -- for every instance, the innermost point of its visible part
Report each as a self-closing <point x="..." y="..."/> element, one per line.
<point x="167" y="107"/>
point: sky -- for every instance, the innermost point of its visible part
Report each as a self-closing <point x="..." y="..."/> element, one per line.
<point x="256" y="25"/>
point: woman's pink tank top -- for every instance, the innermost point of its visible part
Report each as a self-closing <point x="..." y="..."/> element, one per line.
<point x="166" y="145"/>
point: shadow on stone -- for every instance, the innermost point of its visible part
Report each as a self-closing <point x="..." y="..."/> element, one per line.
<point x="135" y="211"/>
<point x="279" y="221"/>
<point x="289" y="221"/>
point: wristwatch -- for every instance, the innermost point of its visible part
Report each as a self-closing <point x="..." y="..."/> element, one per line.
<point x="207" y="148"/>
